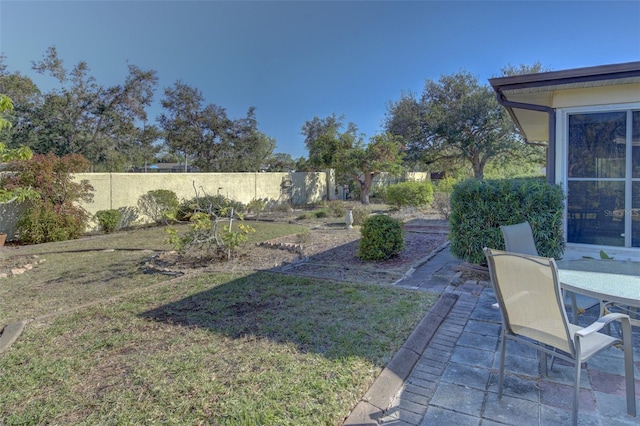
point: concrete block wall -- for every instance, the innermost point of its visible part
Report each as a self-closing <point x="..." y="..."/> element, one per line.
<point x="122" y="190"/>
<point x="119" y="190"/>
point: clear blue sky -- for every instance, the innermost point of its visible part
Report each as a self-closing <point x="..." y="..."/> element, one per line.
<point x="299" y="59"/>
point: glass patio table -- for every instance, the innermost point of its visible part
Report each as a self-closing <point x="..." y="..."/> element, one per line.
<point x="605" y="280"/>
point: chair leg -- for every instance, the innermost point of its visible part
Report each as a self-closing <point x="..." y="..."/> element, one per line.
<point x="503" y="349"/>
<point x="576" y="391"/>
<point x="628" y="368"/>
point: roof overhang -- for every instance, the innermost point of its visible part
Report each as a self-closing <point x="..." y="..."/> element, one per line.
<point x="530" y="97"/>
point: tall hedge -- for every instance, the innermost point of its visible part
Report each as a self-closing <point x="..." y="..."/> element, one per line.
<point x="480" y="207"/>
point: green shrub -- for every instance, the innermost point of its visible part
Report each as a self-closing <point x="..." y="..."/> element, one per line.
<point x="108" y="220"/>
<point x="479" y="208"/>
<point x="382" y="237"/>
<point x="210" y="237"/>
<point x="53" y="214"/>
<point x="320" y="214"/>
<point x="44" y="222"/>
<point x="337" y="208"/>
<point x="304" y="216"/>
<point x="257" y="206"/>
<point x="360" y="213"/>
<point x="416" y="194"/>
<point x="161" y="205"/>
<point x="446" y="184"/>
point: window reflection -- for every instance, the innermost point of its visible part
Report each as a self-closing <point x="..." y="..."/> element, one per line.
<point x="596" y="213"/>
<point x="597" y="145"/>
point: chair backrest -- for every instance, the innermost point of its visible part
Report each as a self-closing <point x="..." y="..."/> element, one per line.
<point x="519" y="239"/>
<point x="529" y="296"/>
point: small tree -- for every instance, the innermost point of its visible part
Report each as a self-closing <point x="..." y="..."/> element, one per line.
<point x="53" y="213"/>
<point x="212" y="233"/>
<point x="348" y="155"/>
<point x="363" y="163"/>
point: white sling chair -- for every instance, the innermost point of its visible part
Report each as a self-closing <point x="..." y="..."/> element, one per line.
<point x="529" y="297"/>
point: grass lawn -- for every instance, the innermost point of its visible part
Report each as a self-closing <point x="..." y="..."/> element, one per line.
<point x="237" y="349"/>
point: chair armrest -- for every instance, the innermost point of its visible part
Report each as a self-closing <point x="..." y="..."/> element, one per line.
<point x="601" y="322"/>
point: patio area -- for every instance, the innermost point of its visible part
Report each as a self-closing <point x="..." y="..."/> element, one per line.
<point x="455" y="379"/>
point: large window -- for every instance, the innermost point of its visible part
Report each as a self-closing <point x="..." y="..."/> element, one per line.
<point x="603" y="178"/>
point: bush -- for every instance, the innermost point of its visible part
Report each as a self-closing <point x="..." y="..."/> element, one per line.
<point x="257" y="206"/>
<point x="360" y="214"/>
<point x="217" y="205"/>
<point x="45" y="222"/>
<point x="479" y="208"/>
<point x="161" y="205"/>
<point x="382" y="237"/>
<point x="210" y="236"/>
<point x="446" y="184"/>
<point x="53" y="214"/>
<point x="337" y="208"/>
<point x="414" y="194"/>
<point x="108" y="220"/>
<point x="320" y="214"/>
<point x="129" y="216"/>
<point x="442" y="204"/>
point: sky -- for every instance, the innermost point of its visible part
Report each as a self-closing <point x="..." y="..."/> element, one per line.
<point x="294" y="60"/>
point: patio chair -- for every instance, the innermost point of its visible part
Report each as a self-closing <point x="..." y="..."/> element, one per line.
<point x="529" y="297"/>
<point x="519" y="239"/>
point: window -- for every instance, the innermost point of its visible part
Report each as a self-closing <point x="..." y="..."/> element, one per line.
<point x="603" y="178"/>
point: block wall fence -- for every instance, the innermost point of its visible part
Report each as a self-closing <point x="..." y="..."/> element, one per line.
<point x="122" y="190"/>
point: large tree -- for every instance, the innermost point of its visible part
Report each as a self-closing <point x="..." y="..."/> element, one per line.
<point x="25" y="96"/>
<point x="81" y="116"/>
<point x="346" y="153"/>
<point x="455" y="121"/>
<point x="325" y="140"/>
<point x="207" y="137"/>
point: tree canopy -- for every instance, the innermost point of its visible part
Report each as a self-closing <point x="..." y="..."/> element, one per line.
<point x="206" y="135"/>
<point x="456" y="121"/>
<point x="109" y="125"/>
<point x="345" y="151"/>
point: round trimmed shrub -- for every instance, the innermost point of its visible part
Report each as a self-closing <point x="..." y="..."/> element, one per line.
<point x="382" y="237"/>
<point x="108" y="220"/>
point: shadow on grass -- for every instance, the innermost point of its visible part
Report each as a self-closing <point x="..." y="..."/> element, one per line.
<point x="333" y="319"/>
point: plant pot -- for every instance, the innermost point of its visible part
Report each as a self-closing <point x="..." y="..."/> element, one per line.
<point x="3" y="238"/>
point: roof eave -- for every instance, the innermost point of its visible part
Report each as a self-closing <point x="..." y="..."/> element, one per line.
<point x="556" y="78"/>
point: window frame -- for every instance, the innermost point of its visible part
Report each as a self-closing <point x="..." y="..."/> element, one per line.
<point x="562" y="153"/>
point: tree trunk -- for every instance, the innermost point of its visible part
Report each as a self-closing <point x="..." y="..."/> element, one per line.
<point x="365" y="188"/>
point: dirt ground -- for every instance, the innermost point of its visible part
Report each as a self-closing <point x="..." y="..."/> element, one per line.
<point x="328" y="251"/>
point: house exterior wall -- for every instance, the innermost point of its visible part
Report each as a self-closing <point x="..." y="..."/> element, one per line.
<point x="597" y="96"/>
